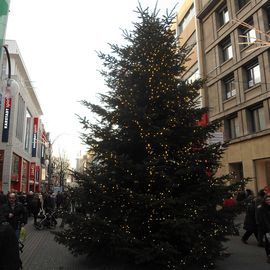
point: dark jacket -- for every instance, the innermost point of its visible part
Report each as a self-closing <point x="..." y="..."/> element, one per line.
<point x="9" y="248"/>
<point x="263" y="217"/>
<point x="19" y="214"/>
<point x="250" y="223"/>
<point x="35" y="205"/>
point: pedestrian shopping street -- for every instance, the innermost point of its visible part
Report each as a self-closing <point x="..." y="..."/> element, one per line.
<point x="41" y="252"/>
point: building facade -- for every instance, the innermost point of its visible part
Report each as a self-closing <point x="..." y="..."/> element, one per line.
<point x="22" y="142"/>
<point x="237" y="70"/>
<point x="186" y="35"/>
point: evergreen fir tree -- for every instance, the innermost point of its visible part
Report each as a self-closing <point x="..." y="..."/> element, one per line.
<point x="150" y="196"/>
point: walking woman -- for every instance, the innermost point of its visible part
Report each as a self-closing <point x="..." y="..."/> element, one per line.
<point x="264" y="223"/>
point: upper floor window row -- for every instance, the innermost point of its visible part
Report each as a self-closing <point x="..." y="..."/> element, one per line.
<point x="256" y="122"/>
<point x="187" y="18"/>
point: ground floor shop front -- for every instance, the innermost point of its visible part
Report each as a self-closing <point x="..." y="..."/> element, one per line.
<point x="19" y="174"/>
<point x="249" y="158"/>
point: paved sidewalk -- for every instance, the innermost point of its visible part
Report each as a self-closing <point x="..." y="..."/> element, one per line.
<point x="41" y="252"/>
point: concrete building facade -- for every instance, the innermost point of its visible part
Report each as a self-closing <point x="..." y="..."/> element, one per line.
<point x="22" y="142"/>
<point x="186" y="34"/>
<point x="237" y="70"/>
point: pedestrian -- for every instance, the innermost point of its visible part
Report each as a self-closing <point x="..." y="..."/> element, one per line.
<point x="29" y="198"/>
<point x="49" y="203"/>
<point x="250" y="224"/>
<point x="264" y="222"/>
<point x="3" y="198"/>
<point x="258" y="202"/>
<point x="35" y="207"/>
<point x="9" y="248"/>
<point x="59" y="199"/>
<point x="15" y="213"/>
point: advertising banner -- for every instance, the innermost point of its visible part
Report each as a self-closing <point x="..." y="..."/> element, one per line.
<point x="35" y="134"/>
<point x="43" y="140"/>
<point x="6" y="121"/>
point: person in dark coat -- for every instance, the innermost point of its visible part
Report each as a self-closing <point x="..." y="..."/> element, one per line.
<point x="15" y="213"/>
<point x="35" y="207"/>
<point x="3" y="198"/>
<point x="59" y="199"/>
<point x="250" y="224"/>
<point x="29" y="198"/>
<point x="49" y="203"/>
<point x="9" y="248"/>
<point x="258" y="202"/>
<point x="263" y="216"/>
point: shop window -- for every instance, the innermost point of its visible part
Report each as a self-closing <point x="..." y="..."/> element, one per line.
<point x="25" y="174"/>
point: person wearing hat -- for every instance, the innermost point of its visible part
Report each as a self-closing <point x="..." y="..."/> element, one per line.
<point x="263" y="216"/>
<point x="9" y="248"/>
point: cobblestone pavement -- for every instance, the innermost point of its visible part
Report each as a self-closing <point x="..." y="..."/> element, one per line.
<point x="244" y="257"/>
<point x="41" y="252"/>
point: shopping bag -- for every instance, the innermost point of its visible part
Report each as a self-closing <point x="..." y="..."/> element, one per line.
<point x="22" y="234"/>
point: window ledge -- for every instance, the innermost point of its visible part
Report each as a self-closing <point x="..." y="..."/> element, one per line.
<point x="225" y="62"/>
<point x="223" y="25"/>
<point x="229" y="99"/>
<point x="256" y="85"/>
<point x="250" y="136"/>
<point x="248" y="47"/>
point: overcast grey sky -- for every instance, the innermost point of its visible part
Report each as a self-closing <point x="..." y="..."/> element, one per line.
<point x="58" y="40"/>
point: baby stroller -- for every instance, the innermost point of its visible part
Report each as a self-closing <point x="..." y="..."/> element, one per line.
<point x="47" y="220"/>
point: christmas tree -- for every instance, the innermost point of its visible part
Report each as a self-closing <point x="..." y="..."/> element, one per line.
<point x="150" y="196"/>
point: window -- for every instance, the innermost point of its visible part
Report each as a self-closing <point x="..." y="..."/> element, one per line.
<point x="257" y="119"/>
<point x="241" y="3"/>
<point x="229" y="86"/>
<point x="195" y="76"/>
<point x="233" y="127"/>
<point x="20" y="117"/>
<point x="253" y="74"/>
<point x="237" y="170"/>
<point x="27" y="131"/>
<point x="267" y="17"/>
<point x="187" y="18"/>
<point x="226" y="48"/>
<point x="248" y="35"/>
<point x="223" y="16"/>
